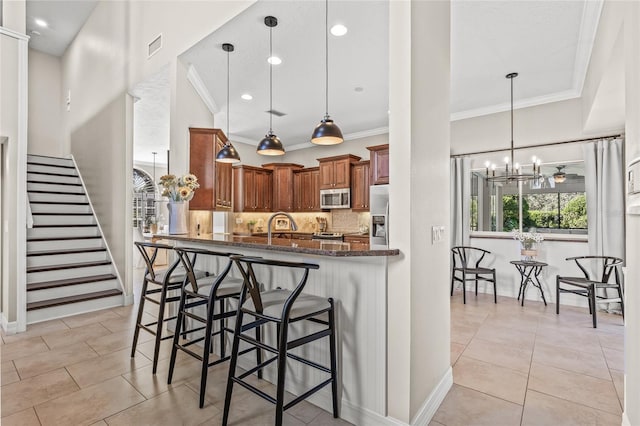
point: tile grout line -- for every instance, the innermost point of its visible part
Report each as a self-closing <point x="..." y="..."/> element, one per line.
<point x="526" y="389"/>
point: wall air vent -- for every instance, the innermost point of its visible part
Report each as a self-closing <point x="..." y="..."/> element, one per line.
<point x="154" y="46"/>
<point x="276" y="113"/>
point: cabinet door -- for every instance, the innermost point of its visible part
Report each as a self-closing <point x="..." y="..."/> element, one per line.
<point x="360" y="187"/>
<point x="298" y="193"/>
<point x="283" y="189"/>
<point x="315" y="190"/>
<point x="326" y="175"/>
<point x="263" y="189"/>
<point x="342" y="173"/>
<point x="307" y="197"/>
<point x="223" y="174"/>
<point x="201" y="158"/>
<point x="239" y="189"/>
<point x="380" y="166"/>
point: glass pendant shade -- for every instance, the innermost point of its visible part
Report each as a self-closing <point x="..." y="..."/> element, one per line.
<point x="327" y="133"/>
<point x="228" y="154"/>
<point x="559" y="176"/>
<point x="270" y="145"/>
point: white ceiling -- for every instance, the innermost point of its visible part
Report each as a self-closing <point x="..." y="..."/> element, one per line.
<point x="547" y="42"/>
<point x="64" y="19"/>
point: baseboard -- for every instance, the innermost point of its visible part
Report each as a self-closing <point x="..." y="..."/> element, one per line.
<point x="128" y="299"/>
<point x="9" y="327"/>
<point x="625" y="419"/>
<point x="431" y="404"/>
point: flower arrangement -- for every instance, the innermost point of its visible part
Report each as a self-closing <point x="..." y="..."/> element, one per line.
<point x="527" y="239"/>
<point x="179" y="189"/>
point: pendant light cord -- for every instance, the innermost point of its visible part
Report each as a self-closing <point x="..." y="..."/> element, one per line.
<point x="326" y="57"/>
<point x="270" y="80"/>
<point x="512" y="163"/>
<point x="228" y="113"/>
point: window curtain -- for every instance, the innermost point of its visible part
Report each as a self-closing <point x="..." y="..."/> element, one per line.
<point x="460" y="200"/>
<point x="604" y="185"/>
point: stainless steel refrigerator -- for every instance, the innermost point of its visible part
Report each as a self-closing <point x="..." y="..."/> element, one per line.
<point x="379" y="211"/>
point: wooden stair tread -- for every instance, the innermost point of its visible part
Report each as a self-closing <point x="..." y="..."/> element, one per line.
<point x="38" y="191"/>
<point x="69" y="281"/>
<point x="59" y="214"/>
<point x="33" y="163"/>
<point x="47" y="156"/>
<point x="67" y="266"/>
<point x="67" y="225"/>
<point x="68" y="251"/>
<point x="53" y="183"/>
<point x="72" y="299"/>
<point x="89" y="237"/>
<point x="50" y="174"/>
<point x="70" y="203"/>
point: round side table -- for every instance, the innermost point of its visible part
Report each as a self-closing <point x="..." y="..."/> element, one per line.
<point x="529" y="270"/>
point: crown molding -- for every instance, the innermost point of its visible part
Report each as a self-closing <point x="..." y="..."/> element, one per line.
<point x="199" y="86"/>
<point x="14" y="34"/>
<point x="525" y="103"/>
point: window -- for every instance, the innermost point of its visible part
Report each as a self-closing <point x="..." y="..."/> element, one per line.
<point x="547" y="205"/>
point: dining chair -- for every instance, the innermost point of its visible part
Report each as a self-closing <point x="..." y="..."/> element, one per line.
<point x="465" y="269"/>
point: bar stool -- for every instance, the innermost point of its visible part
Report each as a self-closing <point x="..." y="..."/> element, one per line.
<point x="205" y="292"/>
<point x="282" y="307"/>
<point x="158" y="282"/>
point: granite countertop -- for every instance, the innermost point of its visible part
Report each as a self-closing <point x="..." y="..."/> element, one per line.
<point x="316" y="247"/>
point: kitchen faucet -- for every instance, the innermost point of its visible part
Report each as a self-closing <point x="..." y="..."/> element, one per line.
<point x="294" y="227"/>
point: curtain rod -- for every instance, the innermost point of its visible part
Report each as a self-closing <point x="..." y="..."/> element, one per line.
<point x="537" y="146"/>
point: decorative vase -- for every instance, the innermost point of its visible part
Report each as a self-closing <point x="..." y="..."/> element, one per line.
<point x="528" y="251"/>
<point x="177" y="217"/>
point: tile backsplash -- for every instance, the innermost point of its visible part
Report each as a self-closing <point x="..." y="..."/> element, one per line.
<point x="344" y="221"/>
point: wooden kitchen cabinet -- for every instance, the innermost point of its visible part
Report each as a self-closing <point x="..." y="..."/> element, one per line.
<point x="253" y="188"/>
<point x="283" y="193"/>
<point x="215" y="179"/>
<point x="306" y="190"/>
<point x="335" y="172"/>
<point x="379" y="156"/>
<point x="360" y="186"/>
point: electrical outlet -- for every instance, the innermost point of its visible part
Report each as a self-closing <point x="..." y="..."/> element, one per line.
<point x="238" y="220"/>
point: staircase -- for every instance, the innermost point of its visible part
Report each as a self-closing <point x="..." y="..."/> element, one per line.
<point x="69" y="268"/>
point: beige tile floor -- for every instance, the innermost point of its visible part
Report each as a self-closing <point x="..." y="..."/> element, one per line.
<point x="78" y="371"/>
<point x="511" y="366"/>
<point x="516" y="365"/>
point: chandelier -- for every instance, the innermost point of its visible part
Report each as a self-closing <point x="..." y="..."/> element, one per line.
<point x="512" y="171"/>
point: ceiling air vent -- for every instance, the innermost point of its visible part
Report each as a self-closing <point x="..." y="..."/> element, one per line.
<point x="276" y="113"/>
<point x="154" y="46"/>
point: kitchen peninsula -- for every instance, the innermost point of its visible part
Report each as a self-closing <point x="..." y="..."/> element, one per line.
<point x="356" y="278"/>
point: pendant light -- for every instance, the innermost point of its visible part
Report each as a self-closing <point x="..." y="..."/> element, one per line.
<point x="228" y="153"/>
<point x="559" y="176"/>
<point x="326" y="132"/>
<point x="513" y="171"/>
<point x="271" y="144"/>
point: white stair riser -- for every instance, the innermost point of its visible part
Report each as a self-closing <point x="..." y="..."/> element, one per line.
<point x="63" y="244"/>
<point x="54" y="187"/>
<point x="73" y="309"/>
<point x="63" y="259"/>
<point x="63" y="220"/>
<point x="60" y="208"/>
<point x="51" y="169"/>
<point x="68" y="198"/>
<point x="62" y="232"/>
<point x="52" y="179"/>
<point x="70" y="290"/>
<point x="37" y="277"/>
<point x="49" y="160"/>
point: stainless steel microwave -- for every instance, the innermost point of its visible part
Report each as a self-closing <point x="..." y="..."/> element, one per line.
<point x="335" y="198"/>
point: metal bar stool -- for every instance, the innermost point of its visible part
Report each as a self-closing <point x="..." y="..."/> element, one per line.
<point x="282" y="307"/>
<point x="158" y="282"/>
<point x="205" y="292"/>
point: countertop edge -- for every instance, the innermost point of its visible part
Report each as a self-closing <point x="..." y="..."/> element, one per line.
<point x="300" y="250"/>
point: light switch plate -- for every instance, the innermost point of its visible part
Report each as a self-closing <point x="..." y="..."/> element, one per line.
<point x="437" y="234"/>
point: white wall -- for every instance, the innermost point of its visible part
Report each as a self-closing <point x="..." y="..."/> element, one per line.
<point x="45" y="105"/>
<point x="418" y="362"/>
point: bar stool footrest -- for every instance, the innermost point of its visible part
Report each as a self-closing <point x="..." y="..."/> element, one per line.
<point x="254" y="390"/>
<point x="304" y="396"/>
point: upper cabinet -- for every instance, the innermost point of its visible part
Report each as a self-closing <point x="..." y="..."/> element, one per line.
<point x="253" y="189"/>
<point x="379" y="164"/>
<point x="215" y="179"/>
<point x="283" y="198"/>
<point x="306" y="190"/>
<point x="335" y="172"/>
<point x="360" y="187"/>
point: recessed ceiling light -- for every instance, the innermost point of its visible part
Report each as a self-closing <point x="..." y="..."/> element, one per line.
<point x="246" y="97"/>
<point x="41" y="22"/>
<point x="274" y="60"/>
<point x="338" y="30"/>
<point x="359" y="89"/>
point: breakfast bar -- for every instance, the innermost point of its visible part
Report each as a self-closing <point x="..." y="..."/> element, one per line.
<point x="356" y="278"/>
